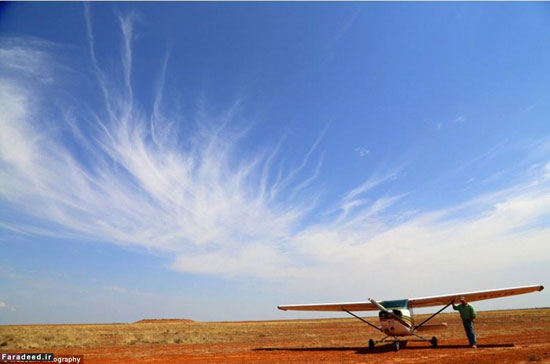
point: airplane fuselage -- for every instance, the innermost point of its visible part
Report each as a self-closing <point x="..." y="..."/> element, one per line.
<point x="398" y="322"/>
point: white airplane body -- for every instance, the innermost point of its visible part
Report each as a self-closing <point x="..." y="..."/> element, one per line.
<point x="396" y="317"/>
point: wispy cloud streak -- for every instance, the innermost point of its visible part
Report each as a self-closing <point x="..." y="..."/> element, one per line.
<point x="137" y="183"/>
<point x="127" y="176"/>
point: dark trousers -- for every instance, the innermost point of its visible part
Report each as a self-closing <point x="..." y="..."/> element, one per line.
<point x="469" y="328"/>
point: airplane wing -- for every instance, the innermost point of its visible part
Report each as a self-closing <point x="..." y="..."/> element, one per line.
<point x="472" y="296"/>
<point x="416" y="302"/>
<point x="344" y="306"/>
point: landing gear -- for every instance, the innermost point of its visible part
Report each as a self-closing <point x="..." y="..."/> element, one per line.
<point x="433" y="341"/>
<point x="396" y="345"/>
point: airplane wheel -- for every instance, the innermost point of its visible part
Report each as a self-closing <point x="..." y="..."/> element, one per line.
<point x="434" y="341"/>
<point x="396" y="346"/>
<point x="403" y="344"/>
<point x="371" y="343"/>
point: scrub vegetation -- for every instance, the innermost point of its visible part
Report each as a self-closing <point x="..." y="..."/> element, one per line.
<point x="520" y="334"/>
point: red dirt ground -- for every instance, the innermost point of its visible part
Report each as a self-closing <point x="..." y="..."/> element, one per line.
<point x="520" y="336"/>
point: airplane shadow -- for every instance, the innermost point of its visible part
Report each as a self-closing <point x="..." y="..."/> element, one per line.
<point x="382" y="348"/>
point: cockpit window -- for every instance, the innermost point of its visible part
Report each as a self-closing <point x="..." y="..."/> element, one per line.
<point x="395" y="312"/>
<point x="395" y="304"/>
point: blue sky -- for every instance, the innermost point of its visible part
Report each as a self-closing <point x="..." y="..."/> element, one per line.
<point x="212" y="160"/>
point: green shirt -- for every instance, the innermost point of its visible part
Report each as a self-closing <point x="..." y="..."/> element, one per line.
<point x="467" y="312"/>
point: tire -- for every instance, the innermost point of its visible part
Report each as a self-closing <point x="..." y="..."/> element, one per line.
<point x="434" y="342"/>
<point x="371" y="343"/>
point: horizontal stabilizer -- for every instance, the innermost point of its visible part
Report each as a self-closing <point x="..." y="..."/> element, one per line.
<point x="430" y="327"/>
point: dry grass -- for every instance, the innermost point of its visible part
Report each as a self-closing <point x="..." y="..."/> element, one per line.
<point x="534" y="357"/>
<point x="57" y="336"/>
<point x="106" y="335"/>
<point x="332" y="332"/>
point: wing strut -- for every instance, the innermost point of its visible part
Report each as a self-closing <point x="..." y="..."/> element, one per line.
<point x="432" y="316"/>
<point x="365" y="321"/>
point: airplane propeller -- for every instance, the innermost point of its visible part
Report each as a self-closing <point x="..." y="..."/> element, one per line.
<point x="380" y="307"/>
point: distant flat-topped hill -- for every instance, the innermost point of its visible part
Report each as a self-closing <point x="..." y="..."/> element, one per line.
<point x="163" y="321"/>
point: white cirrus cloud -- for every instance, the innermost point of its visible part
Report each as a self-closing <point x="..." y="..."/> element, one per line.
<point x="362" y="151"/>
<point x="460" y="119"/>
<point x="130" y="177"/>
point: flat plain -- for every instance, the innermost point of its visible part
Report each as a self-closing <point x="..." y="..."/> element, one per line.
<point x="511" y="336"/>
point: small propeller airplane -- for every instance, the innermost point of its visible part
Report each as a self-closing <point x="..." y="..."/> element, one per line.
<point x="396" y="316"/>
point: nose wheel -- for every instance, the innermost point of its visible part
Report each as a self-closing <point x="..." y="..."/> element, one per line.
<point x="394" y="342"/>
<point x="371" y="343"/>
<point x="396" y="345"/>
<point x="433" y="341"/>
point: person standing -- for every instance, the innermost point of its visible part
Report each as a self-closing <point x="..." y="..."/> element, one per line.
<point x="468" y="315"/>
